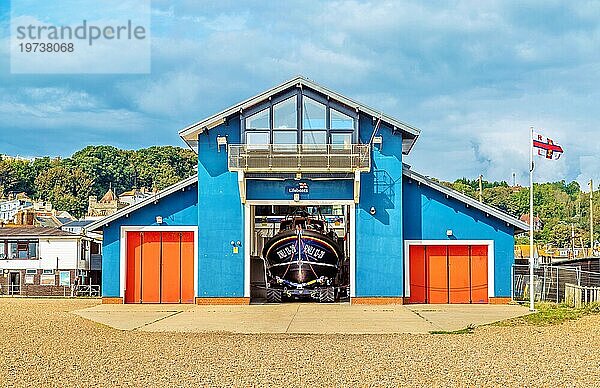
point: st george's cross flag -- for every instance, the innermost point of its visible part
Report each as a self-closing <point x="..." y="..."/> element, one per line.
<point x="546" y="147"/>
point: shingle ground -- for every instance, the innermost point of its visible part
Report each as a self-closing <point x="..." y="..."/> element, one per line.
<point x="43" y="344"/>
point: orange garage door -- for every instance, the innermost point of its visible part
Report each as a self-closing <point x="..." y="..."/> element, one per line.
<point x="448" y="274"/>
<point x="160" y="267"/>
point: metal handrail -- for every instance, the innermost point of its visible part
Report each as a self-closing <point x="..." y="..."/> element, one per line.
<point x="87" y="290"/>
<point x="299" y="157"/>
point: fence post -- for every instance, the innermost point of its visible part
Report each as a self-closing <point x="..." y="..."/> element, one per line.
<point x="557" y="284"/>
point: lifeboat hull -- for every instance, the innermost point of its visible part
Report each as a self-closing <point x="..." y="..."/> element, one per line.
<point x="302" y="258"/>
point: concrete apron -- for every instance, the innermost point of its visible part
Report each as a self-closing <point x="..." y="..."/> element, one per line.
<point x="299" y="318"/>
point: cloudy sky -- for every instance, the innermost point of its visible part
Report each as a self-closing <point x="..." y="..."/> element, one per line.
<point x="473" y="76"/>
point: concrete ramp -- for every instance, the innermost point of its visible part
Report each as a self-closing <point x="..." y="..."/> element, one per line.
<point x="299" y="318"/>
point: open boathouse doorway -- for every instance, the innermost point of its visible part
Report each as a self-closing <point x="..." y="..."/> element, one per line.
<point x="300" y="251"/>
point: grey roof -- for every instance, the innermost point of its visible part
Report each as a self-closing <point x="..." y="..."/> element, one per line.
<point x="63" y="220"/>
<point x="131" y="208"/>
<point x="78" y="224"/>
<point x="189" y="134"/>
<point x="33" y="232"/>
<point x="520" y="225"/>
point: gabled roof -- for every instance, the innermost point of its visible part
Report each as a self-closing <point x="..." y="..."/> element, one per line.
<point x="190" y="133"/>
<point x="499" y="214"/>
<point x="155" y="197"/>
<point x="108" y="197"/>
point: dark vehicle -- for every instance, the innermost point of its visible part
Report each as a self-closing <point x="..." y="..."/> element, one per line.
<point x="303" y="259"/>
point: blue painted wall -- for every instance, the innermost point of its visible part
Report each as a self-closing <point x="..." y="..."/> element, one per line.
<point x="220" y="217"/>
<point x="178" y="209"/>
<point x="318" y="190"/>
<point x="379" y="246"/>
<point x="428" y="214"/>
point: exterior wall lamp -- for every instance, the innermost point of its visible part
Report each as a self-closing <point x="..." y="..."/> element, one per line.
<point x="221" y="141"/>
<point x="372" y="210"/>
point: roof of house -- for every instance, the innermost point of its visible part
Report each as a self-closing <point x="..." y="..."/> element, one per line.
<point x="48" y="221"/>
<point x="33" y="232"/>
<point x="108" y="197"/>
<point x="78" y="224"/>
<point x="499" y="214"/>
<point x="189" y="134"/>
<point x="97" y="224"/>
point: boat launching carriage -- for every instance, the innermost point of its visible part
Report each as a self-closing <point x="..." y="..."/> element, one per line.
<point x="303" y="260"/>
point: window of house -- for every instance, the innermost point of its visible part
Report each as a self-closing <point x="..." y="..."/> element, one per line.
<point x="257" y="140"/>
<point x="31" y="272"/>
<point x="285" y="140"/>
<point x="314" y="114"/>
<point x="259" y="120"/>
<point x="285" y="114"/>
<point x="341" y="141"/>
<point x="13" y="251"/>
<point x="19" y="250"/>
<point x="48" y="272"/>
<point x="339" y="120"/>
<point x="314" y="140"/>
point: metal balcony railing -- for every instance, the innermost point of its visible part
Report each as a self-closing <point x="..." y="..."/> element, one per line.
<point x="299" y="157"/>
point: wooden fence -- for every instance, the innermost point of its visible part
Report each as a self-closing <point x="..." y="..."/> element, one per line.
<point x="577" y="296"/>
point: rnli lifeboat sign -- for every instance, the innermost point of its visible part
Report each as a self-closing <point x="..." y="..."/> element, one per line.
<point x="300" y="188"/>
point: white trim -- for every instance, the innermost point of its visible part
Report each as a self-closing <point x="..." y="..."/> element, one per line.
<point x="123" y="250"/>
<point x="181" y="185"/>
<point x="489" y="210"/>
<point x="352" y="250"/>
<point x="247" y="243"/>
<point x="491" y="259"/>
<point x="248" y="226"/>
<point x="190" y="133"/>
<point x="303" y="202"/>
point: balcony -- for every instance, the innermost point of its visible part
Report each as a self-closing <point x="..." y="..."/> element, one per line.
<point x="334" y="158"/>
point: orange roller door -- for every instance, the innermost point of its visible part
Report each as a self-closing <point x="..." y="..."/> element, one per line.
<point x="171" y="268"/>
<point x="159" y="267"/>
<point x="187" y="267"/>
<point x="418" y="275"/>
<point x="437" y="274"/>
<point x="151" y="267"/>
<point x="479" y="274"/>
<point x="459" y="274"/>
<point x="134" y="255"/>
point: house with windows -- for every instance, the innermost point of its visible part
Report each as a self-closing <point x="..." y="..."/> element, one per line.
<point x="301" y="148"/>
<point x="46" y="261"/>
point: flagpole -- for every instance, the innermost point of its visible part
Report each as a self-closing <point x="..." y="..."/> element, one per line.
<point x="531" y="251"/>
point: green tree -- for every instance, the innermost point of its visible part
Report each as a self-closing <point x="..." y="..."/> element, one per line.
<point x="66" y="187"/>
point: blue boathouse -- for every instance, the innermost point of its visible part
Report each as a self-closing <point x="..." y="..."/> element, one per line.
<point x="405" y="237"/>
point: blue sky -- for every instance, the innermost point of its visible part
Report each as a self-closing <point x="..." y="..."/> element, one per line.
<point x="473" y="76"/>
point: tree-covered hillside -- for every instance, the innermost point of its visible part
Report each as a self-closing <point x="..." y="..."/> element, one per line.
<point x="68" y="183"/>
<point x="558" y="204"/>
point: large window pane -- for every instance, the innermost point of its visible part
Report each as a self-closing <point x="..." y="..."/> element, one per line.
<point x="340" y="120"/>
<point x="12" y="250"/>
<point x="259" y="120"/>
<point x="257" y="140"/>
<point x="313" y="114"/>
<point x="314" y="141"/>
<point x="285" y="114"/>
<point x="341" y="141"/>
<point x="285" y="141"/>
<point x="33" y="248"/>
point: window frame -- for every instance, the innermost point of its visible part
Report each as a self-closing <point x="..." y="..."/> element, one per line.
<point x="5" y="249"/>
<point x="299" y="93"/>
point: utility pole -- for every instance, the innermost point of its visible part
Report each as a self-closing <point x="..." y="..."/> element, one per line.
<point x="591" y="215"/>
<point x="480" y="188"/>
